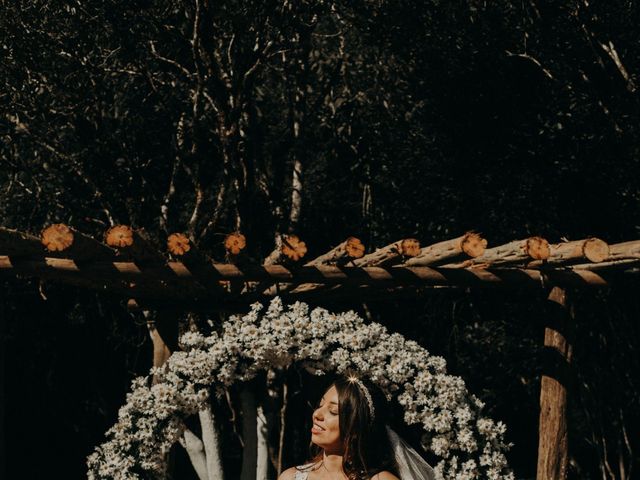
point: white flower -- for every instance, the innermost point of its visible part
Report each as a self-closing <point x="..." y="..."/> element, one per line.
<point x="152" y="419"/>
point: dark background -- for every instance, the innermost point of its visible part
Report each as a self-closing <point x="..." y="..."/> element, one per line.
<point x="423" y="119"/>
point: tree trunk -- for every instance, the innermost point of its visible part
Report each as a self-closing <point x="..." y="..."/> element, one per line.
<point x="195" y="449"/>
<point x="553" y="441"/>
<point x="211" y="442"/>
<point x="262" y="430"/>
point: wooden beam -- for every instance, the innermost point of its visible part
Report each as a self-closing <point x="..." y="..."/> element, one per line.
<point x="624" y="250"/>
<point x="578" y="251"/>
<point x="289" y="248"/>
<point x="133" y="244"/>
<point x="512" y="253"/>
<point x="19" y="244"/>
<point x="62" y="239"/>
<point x="197" y="263"/>
<point x="349" y="250"/>
<point x="176" y="273"/>
<point x="623" y="264"/>
<point x="469" y="245"/>
<point x="391" y="254"/>
<point x="553" y="432"/>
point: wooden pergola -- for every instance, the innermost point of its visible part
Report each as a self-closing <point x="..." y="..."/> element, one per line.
<point x="181" y="276"/>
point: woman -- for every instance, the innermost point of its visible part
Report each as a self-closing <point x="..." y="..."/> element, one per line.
<point x="351" y="440"/>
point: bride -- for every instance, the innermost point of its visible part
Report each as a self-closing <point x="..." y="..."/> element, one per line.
<point x="350" y="440"/>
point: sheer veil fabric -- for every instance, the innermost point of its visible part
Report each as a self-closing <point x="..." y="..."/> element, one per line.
<point x="411" y="466"/>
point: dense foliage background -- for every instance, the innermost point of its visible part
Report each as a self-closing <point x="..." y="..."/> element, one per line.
<point x="381" y="119"/>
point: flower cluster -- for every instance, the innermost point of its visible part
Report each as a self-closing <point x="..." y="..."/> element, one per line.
<point x="470" y="446"/>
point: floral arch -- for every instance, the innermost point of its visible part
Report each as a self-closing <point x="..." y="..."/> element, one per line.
<point x="469" y="445"/>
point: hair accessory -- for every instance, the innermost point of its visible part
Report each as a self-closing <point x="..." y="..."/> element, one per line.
<point x="365" y="392"/>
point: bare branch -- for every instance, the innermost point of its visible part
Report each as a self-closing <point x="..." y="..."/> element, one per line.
<point x="169" y="61"/>
<point x="610" y="50"/>
<point x="534" y="60"/>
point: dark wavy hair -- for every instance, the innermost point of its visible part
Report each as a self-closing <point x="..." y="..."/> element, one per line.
<point x="367" y="450"/>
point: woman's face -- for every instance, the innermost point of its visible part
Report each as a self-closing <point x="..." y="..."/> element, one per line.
<point x="325" y="431"/>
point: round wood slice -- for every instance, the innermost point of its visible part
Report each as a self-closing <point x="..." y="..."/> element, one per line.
<point x="473" y="244"/>
<point x="119" y="236"/>
<point x="234" y="243"/>
<point x="596" y="250"/>
<point x="409" y="247"/>
<point x="57" y="237"/>
<point x="293" y="248"/>
<point x="354" y="247"/>
<point x="178" y="244"/>
<point x="538" y="248"/>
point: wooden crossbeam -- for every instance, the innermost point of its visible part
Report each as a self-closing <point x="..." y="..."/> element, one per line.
<point x="469" y="245"/>
<point x="133" y="244"/>
<point x="66" y="241"/>
<point x="19" y="244"/>
<point x="349" y="250"/>
<point x="513" y="253"/>
<point x="578" y="251"/>
<point x="391" y="254"/>
<point x="174" y="271"/>
<point x="289" y="248"/>
<point x="624" y="250"/>
<point x="197" y="263"/>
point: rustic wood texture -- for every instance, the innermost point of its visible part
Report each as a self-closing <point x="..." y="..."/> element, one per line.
<point x="578" y="251"/>
<point x="329" y="274"/>
<point x="391" y="254"/>
<point x="348" y="251"/>
<point x="133" y="244"/>
<point x="289" y="248"/>
<point x="234" y="243"/>
<point x="56" y="237"/>
<point x="178" y="244"/>
<point x="351" y="249"/>
<point x="119" y="236"/>
<point x="469" y="245"/>
<point x="517" y="252"/>
<point x="193" y="263"/>
<point x="195" y="279"/>
<point x="19" y="244"/>
<point x="65" y="241"/>
<point x="614" y="265"/>
<point x="624" y="250"/>
<point x="553" y="436"/>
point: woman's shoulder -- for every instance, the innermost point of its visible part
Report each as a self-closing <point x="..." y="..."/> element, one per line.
<point x="384" y="476"/>
<point x="288" y="474"/>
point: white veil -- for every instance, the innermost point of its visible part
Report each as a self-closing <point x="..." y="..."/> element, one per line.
<point x="411" y="466"/>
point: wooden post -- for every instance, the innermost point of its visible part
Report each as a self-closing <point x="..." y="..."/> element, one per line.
<point x="552" y="441"/>
<point x="249" y="409"/>
<point x="3" y="321"/>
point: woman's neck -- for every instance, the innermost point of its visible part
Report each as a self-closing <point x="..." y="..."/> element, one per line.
<point x="332" y="462"/>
